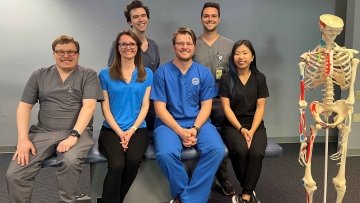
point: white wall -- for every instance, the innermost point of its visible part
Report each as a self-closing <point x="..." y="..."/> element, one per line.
<point x="280" y="30"/>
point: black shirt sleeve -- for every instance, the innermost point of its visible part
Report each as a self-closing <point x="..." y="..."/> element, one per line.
<point x="262" y="89"/>
<point x="224" y="86"/>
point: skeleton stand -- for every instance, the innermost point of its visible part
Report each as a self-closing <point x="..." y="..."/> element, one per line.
<point x="326" y="162"/>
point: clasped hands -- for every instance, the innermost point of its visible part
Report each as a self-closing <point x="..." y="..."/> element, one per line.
<point x="188" y="136"/>
<point x="125" y="138"/>
<point x="248" y="135"/>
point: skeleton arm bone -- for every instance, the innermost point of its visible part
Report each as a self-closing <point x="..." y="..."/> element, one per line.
<point x="354" y="65"/>
<point x="302" y="102"/>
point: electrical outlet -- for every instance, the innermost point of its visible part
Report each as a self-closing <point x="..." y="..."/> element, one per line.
<point x="357" y="95"/>
<point x="356" y="117"/>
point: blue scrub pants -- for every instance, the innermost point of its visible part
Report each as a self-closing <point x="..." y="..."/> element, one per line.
<point x="168" y="148"/>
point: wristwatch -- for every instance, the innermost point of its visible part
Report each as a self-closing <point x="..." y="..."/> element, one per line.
<point x="74" y="133"/>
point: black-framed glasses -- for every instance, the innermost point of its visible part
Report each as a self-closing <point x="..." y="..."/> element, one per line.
<point x="62" y="52"/>
<point x="124" y="45"/>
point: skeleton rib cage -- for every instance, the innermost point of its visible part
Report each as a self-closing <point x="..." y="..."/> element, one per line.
<point x="316" y="72"/>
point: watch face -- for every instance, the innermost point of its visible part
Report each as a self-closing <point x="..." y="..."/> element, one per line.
<point x="74" y="133"/>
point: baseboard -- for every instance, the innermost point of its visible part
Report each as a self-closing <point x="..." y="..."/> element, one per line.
<point x="7" y="149"/>
<point x="353" y="152"/>
<point x="296" y="139"/>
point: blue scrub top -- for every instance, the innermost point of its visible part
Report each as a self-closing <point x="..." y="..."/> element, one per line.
<point x="183" y="94"/>
<point x="125" y="99"/>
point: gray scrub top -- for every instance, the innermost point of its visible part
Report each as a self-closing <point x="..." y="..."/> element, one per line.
<point x="214" y="56"/>
<point x="60" y="102"/>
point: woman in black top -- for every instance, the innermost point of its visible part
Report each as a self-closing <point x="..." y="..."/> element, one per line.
<point x="242" y="92"/>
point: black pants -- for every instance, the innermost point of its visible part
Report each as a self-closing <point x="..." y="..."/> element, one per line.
<point x="216" y="116"/>
<point x="122" y="166"/>
<point x="150" y="117"/>
<point x="247" y="163"/>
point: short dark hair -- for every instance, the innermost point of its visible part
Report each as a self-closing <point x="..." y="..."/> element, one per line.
<point x="184" y="30"/>
<point x="65" y="39"/>
<point x="135" y="4"/>
<point x="212" y="5"/>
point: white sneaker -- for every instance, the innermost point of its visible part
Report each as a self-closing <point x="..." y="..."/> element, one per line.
<point x="254" y="198"/>
<point x="236" y="199"/>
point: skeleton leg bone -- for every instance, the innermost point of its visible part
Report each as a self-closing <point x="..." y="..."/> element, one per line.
<point x="339" y="181"/>
<point x="308" y="181"/>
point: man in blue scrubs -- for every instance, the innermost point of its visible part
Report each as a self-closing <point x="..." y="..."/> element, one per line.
<point x="182" y="93"/>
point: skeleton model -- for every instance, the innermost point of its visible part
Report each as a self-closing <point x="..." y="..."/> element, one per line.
<point x="326" y="65"/>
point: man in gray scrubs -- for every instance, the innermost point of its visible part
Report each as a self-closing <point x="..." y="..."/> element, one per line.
<point x="213" y="51"/>
<point x="67" y="94"/>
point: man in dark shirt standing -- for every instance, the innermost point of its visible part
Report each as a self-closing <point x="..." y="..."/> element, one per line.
<point x="137" y="16"/>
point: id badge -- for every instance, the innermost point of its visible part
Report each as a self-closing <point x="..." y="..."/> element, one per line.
<point x="218" y="72"/>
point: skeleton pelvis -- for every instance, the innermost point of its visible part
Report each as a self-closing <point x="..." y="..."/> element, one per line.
<point x="334" y="113"/>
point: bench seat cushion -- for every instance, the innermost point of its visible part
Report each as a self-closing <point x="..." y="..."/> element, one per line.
<point x="94" y="156"/>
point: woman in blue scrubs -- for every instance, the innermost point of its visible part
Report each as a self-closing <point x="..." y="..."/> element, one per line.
<point x="124" y="138"/>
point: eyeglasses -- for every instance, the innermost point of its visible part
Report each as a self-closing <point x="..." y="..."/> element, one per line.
<point x="181" y="44"/>
<point x="124" y="45"/>
<point x="62" y="52"/>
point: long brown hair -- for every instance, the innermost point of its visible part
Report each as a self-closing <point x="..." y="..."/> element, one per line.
<point x="115" y="68"/>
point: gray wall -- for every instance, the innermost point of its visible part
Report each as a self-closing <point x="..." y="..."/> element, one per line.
<point x="280" y="30"/>
<point x="353" y="40"/>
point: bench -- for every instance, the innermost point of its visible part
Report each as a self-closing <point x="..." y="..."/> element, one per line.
<point x="150" y="182"/>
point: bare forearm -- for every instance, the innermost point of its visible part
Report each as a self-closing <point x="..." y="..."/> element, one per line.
<point x="229" y="113"/>
<point x="259" y="115"/>
<point x="110" y="120"/>
<point x="85" y="115"/>
<point x="142" y="114"/>
<point x="23" y="120"/>
<point x="166" y="117"/>
<point x="204" y="113"/>
<point x="144" y="108"/>
<point x="232" y="118"/>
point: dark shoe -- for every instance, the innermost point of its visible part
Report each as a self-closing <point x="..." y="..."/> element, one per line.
<point x="254" y="198"/>
<point x="238" y="199"/>
<point x="225" y="186"/>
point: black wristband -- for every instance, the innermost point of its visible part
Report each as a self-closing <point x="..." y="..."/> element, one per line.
<point x="240" y="129"/>
<point x="196" y="128"/>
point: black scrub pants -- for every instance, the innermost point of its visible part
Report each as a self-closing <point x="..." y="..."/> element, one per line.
<point x="122" y="166"/>
<point x="247" y="163"/>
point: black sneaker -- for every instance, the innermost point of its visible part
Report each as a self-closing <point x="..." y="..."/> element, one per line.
<point x="253" y="198"/>
<point x="225" y="186"/>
